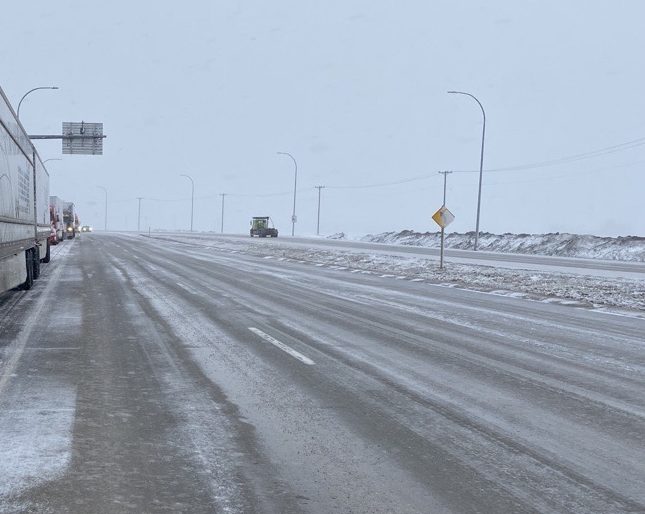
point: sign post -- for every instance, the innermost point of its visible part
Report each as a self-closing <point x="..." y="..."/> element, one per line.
<point x="443" y="217"/>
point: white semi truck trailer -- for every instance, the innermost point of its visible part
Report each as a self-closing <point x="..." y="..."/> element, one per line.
<point x="24" y="204"/>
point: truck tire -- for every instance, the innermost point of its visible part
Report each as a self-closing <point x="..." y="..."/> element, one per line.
<point x="29" y="282"/>
<point x="35" y="255"/>
<point x="48" y="254"/>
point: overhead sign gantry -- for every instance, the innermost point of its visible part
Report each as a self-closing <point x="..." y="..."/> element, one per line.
<point x="79" y="138"/>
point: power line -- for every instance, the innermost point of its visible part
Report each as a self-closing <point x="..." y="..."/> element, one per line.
<point x="586" y="172"/>
<point x="628" y="145"/>
<point x="383" y="184"/>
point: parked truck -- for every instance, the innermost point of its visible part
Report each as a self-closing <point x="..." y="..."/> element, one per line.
<point x="53" y="234"/>
<point x="56" y="207"/>
<point x="260" y="227"/>
<point x="25" y="223"/>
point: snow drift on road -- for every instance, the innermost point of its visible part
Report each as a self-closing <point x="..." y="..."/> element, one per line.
<point x="627" y="248"/>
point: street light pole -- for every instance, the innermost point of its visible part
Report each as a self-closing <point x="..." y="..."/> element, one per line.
<point x="318" y="224"/>
<point x="139" y="215"/>
<point x="192" y="199"/>
<point x="295" y="184"/>
<point x="223" y="195"/>
<point x="481" y="162"/>
<point x="105" y="220"/>
<point x="29" y="92"/>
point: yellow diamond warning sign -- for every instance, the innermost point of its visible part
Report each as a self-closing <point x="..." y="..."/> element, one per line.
<point x="443" y="217"/>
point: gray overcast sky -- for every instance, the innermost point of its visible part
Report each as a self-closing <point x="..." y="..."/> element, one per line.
<point x="356" y="91"/>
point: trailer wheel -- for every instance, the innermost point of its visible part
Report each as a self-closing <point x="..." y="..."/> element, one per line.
<point x="29" y="282"/>
<point x="48" y="254"/>
<point x="35" y="255"/>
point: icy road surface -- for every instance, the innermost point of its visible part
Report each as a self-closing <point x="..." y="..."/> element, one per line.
<point x="142" y="375"/>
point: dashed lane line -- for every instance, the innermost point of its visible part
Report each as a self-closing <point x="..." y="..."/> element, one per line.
<point x="282" y="346"/>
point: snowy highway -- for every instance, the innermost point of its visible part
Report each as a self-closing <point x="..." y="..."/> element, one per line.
<point x="146" y="375"/>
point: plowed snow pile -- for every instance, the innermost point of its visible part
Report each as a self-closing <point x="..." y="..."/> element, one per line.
<point x="627" y="248"/>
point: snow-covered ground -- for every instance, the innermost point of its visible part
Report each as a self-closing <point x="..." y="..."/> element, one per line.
<point x="615" y="294"/>
<point x="628" y="248"/>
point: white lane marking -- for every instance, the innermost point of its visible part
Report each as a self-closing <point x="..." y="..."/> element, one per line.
<point x="44" y="409"/>
<point x="53" y="348"/>
<point x="282" y="346"/>
<point x="417" y="280"/>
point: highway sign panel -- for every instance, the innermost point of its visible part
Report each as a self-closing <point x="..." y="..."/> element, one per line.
<point x="83" y="138"/>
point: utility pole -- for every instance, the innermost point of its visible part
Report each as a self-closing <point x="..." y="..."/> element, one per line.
<point x="444" y="173"/>
<point x="139" y="215"/>
<point x="445" y="176"/>
<point x="318" y="224"/>
<point x="223" y="195"/>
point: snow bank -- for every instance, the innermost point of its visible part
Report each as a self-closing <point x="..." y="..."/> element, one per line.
<point x="627" y="248"/>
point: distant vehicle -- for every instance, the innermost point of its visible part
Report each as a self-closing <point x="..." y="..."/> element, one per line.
<point x="25" y="219"/>
<point x="260" y="227"/>
<point x="86" y="228"/>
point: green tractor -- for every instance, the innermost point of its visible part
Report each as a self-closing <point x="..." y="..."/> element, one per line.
<point x="260" y="227"/>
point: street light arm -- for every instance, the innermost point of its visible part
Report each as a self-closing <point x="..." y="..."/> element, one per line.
<point x="189" y="178"/>
<point x="292" y="158"/>
<point x="29" y="92"/>
<point x="474" y="98"/>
